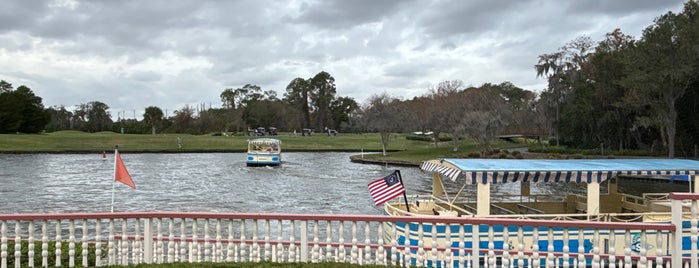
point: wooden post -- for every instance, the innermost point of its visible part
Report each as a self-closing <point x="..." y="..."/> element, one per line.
<point x="483" y="202"/>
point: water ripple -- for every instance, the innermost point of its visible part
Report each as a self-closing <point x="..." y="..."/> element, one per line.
<point x="211" y="182"/>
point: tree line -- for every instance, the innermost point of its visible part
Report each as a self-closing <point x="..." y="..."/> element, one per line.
<point x="307" y="103"/>
<point x="619" y="93"/>
<point x="626" y="93"/>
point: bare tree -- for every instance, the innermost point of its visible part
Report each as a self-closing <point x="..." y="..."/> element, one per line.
<point x="487" y="115"/>
<point x="385" y="115"/>
<point x="443" y="110"/>
<point x="184" y="120"/>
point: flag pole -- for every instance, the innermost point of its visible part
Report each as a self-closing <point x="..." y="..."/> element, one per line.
<point x="114" y="177"/>
<point x="405" y="198"/>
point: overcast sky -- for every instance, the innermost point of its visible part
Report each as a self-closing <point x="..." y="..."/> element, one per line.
<point x="135" y="54"/>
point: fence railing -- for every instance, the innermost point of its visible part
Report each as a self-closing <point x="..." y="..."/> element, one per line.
<point x="98" y="239"/>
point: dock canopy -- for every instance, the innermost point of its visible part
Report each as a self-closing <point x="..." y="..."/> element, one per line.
<point x="475" y="171"/>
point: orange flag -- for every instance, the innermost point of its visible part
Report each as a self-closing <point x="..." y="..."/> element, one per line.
<point x="121" y="174"/>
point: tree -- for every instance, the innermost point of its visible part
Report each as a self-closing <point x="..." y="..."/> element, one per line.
<point x="60" y="119"/>
<point x="252" y="95"/>
<point x="444" y="110"/>
<point x="562" y="69"/>
<point x="228" y="98"/>
<point x="323" y="93"/>
<point x="265" y="113"/>
<point x="452" y="110"/>
<point x="10" y="104"/>
<point x="298" y="94"/>
<point x="596" y="114"/>
<point x="383" y="114"/>
<point x="519" y="102"/>
<point x="341" y="109"/>
<point x="5" y="87"/>
<point x="419" y="119"/>
<point x="131" y="126"/>
<point x="233" y="114"/>
<point x="487" y="114"/>
<point x="661" y="67"/>
<point x="21" y="110"/>
<point x="240" y="97"/>
<point x="94" y="116"/>
<point x="183" y="121"/>
<point x="153" y="117"/>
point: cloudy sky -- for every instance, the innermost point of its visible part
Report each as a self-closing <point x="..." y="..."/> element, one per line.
<point x="169" y="53"/>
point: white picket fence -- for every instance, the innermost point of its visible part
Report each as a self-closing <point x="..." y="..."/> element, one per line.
<point x="97" y="239"/>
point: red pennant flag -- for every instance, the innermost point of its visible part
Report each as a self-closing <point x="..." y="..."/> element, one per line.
<point x="121" y="174"/>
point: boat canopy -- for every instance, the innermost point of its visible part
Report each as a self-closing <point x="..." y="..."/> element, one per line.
<point x="264" y="141"/>
<point x="497" y="171"/>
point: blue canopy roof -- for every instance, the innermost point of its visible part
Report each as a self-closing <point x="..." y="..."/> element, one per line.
<point x="568" y="170"/>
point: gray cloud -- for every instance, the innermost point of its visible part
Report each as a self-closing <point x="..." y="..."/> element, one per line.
<point x="348" y="14"/>
<point x="623" y="7"/>
<point x="133" y="54"/>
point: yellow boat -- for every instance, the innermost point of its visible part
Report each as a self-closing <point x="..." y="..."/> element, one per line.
<point x="610" y="190"/>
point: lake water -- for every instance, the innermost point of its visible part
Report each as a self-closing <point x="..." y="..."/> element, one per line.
<point x="206" y="182"/>
<point x="324" y="183"/>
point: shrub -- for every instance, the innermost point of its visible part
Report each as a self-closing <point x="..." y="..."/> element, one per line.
<point x="425" y="138"/>
<point x="52" y="248"/>
<point x="418" y="138"/>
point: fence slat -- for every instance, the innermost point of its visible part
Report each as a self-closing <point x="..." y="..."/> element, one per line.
<point x="145" y="237"/>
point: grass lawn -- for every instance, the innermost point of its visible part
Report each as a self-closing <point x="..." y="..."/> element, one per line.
<point x="75" y="141"/>
<point x="399" y="148"/>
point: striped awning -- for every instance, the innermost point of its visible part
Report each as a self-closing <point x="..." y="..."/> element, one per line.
<point x="432" y="167"/>
<point x="475" y="171"/>
<point x="264" y="141"/>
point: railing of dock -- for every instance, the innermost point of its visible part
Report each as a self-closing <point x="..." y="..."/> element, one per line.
<point x="99" y="239"/>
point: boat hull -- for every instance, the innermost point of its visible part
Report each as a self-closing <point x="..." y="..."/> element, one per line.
<point x="264" y="160"/>
<point x="451" y="237"/>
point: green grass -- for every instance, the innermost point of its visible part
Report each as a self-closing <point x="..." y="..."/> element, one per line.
<point x="427" y="150"/>
<point x="399" y="148"/>
<point x="74" y="141"/>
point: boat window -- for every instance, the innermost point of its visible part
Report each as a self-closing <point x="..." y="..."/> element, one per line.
<point x="637" y="186"/>
<point x="604" y="187"/>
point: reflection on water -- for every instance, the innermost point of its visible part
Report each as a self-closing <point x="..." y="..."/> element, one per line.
<point x="324" y="183"/>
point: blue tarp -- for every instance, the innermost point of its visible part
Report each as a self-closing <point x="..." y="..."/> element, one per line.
<point x="567" y="170"/>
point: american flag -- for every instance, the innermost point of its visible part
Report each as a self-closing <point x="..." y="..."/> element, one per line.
<point x="386" y="188"/>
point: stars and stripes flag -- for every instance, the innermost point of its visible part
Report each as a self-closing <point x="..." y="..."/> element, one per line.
<point x="386" y="188"/>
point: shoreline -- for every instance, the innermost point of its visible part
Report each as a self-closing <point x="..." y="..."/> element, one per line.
<point x="358" y="159"/>
<point x="173" y="151"/>
<point x="353" y="158"/>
